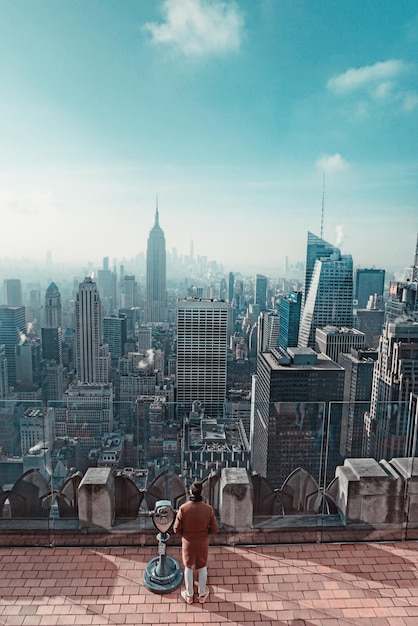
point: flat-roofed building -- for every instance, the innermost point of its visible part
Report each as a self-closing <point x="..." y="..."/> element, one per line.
<point x="291" y="417"/>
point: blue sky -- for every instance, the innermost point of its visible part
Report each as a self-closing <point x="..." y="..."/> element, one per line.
<point x="230" y="111"/>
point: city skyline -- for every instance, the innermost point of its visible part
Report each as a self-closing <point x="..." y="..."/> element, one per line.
<point x="230" y="112"/>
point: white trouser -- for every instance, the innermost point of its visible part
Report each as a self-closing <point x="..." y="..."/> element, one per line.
<point x="202" y="578"/>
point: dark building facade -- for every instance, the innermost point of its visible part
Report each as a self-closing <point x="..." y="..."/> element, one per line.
<point x="368" y="282"/>
<point x="292" y="418"/>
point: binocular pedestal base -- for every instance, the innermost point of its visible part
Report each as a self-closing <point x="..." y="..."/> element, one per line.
<point x="163" y="577"/>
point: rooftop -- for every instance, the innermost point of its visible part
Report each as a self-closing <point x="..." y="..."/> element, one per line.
<point x="296" y="584"/>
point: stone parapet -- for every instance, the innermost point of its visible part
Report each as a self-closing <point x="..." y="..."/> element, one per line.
<point x="235" y="499"/>
<point x="96" y="499"/>
<point x="370" y="492"/>
<point x="408" y="469"/>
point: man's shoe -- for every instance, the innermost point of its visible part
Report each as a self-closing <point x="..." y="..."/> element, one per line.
<point x="202" y="599"/>
<point x="186" y="598"/>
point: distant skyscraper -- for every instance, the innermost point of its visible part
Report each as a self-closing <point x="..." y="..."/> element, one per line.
<point x="415" y="265"/>
<point x="403" y="296"/>
<point x="268" y="330"/>
<point x="87" y="417"/>
<point x="370" y="322"/>
<point x="28" y="363"/>
<point x="334" y="340"/>
<point x="4" y="376"/>
<point x="12" y="332"/>
<point x="54" y="382"/>
<point x="129" y="292"/>
<point x="156" y="294"/>
<point x="106" y="284"/>
<point x="53" y="309"/>
<point x="358" y="366"/>
<point x="328" y="293"/>
<point x="231" y="281"/>
<point x="368" y="283"/>
<point x="289" y="316"/>
<point x="36" y="429"/>
<point x="51" y="333"/>
<point x="260" y="291"/>
<point x="12" y="292"/>
<point x="93" y="359"/>
<point x="144" y="335"/>
<point x="52" y="344"/>
<point x="114" y="335"/>
<point x="395" y="378"/>
<point x="402" y="301"/>
<point x="201" y="353"/>
<point x="316" y="248"/>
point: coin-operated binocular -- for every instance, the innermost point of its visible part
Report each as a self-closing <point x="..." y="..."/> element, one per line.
<point x="163" y="573"/>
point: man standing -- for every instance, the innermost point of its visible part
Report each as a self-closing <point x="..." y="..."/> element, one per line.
<point x="195" y="521"/>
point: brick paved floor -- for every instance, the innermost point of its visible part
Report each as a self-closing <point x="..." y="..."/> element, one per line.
<point x="299" y="585"/>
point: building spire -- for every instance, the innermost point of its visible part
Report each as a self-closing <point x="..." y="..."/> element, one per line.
<point x="323" y="205"/>
<point x="415" y="266"/>
<point x="156" y="212"/>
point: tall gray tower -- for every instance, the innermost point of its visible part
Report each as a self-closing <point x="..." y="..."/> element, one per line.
<point x="156" y="295"/>
<point x="12" y="333"/>
<point x="93" y="359"/>
<point x="51" y="333"/>
<point x="12" y="292"/>
<point x="53" y="310"/>
<point x="202" y="353"/>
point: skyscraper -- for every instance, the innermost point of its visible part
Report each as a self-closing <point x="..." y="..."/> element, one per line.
<point x="336" y="340"/>
<point x="12" y="332"/>
<point x="289" y="413"/>
<point x="156" y="295"/>
<point x="114" y="335"/>
<point x="231" y="281"/>
<point x="106" y="284"/>
<point x="201" y="352"/>
<point x="395" y="378"/>
<point x="260" y="291"/>
<point x="268" y="330"/>
<point x="289" y="316"/>
<point x="328" y="292"/>
<point x="4" y="376"/>
<point x="92" y="358"/>
<point x="368" y="283"/>
<point x="403" y="296"/>
<point x="53" y="309"/>
<point x="129" y="292"/>
<point x="358" y="366"/>
<point x="12" y="292"/>
<point x="52" y="333"/>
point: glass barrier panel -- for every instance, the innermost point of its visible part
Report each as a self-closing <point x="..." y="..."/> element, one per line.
<point x="296" y="456"/>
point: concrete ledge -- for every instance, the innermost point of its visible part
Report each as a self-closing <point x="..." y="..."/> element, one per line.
<point x="370" y="492"/>
<point x="96" y="498"/>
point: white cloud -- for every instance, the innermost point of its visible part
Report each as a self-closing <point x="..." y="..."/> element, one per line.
<point x="199" y="27"/>
<point x="332" y="163"/>
<point x="386" y="82"/>
<point x="366" y="76"/>
<point x="35" y="201"/>
<point x="410" y="101"/>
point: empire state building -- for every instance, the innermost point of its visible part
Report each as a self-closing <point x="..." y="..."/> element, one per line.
<point x="156" y="295"/>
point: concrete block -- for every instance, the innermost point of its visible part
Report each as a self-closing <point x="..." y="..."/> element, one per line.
<point x="235" y="499"/>
<point x="96" y="498"/>
<point x="370" y="492"/>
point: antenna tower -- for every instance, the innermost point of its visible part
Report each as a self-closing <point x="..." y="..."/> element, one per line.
<point x="323" y="204"/>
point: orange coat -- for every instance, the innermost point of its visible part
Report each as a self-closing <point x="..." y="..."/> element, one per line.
<point x="194" y="522"/>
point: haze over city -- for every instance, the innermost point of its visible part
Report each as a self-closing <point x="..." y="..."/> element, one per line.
<point x="230" y="111"/>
